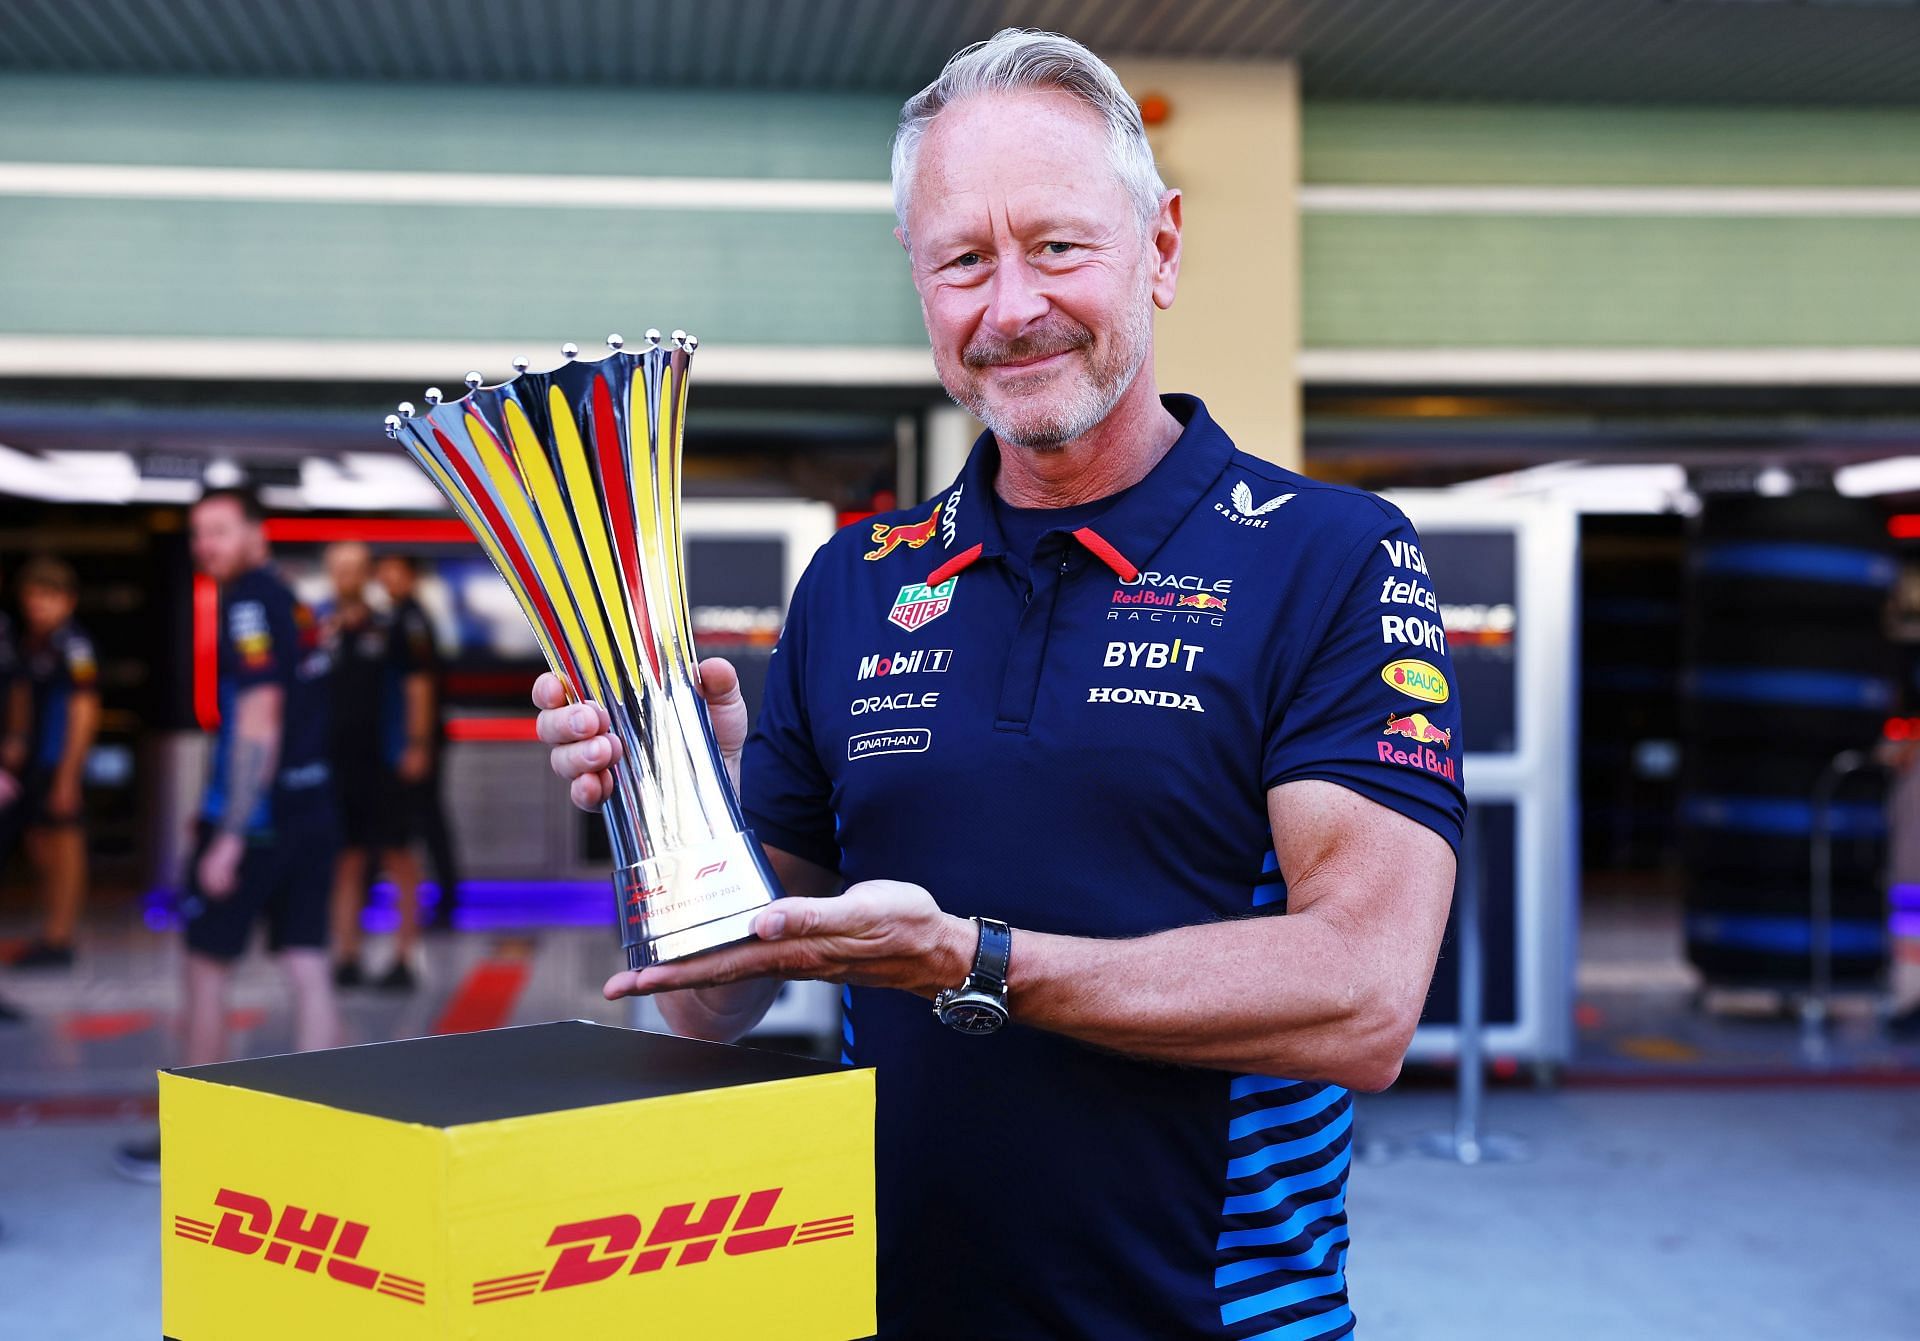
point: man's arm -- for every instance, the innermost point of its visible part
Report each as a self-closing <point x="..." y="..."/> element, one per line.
<point x="253" y="753"/>
<point x="83" y="724"/>
<point x="1330" y="990"/>
<point x="416" y="758"/>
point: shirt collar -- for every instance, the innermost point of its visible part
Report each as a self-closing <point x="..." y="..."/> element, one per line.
<point x="1127" y="535"/>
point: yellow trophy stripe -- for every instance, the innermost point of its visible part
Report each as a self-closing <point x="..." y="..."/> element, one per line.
<point x="520" y="513"/>
<point x="646" y="517"/>
<point x="679" y="557"/>
<point x="593" y="528"/>
<point x="546" y="497"/>
<point x="484" y="534"/>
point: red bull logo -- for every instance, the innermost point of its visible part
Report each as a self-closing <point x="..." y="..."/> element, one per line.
<point x="1203" y="600"/>
<point x="1415" y="726"/>
<point x="911" y="534"/>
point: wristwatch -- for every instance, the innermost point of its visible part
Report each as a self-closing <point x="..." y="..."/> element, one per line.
<point x="979" y="1005"/>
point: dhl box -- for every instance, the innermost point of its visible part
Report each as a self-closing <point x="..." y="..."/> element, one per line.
<point x="558" y="1180"/>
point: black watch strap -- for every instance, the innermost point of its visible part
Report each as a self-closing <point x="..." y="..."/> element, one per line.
<point x="991" y="959"/>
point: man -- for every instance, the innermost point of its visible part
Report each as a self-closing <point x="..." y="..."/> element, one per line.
<point x="1170" y="691"/>
<point x="265" y="840"/>
<point x="13" y="753"/>
<point x="377" y="713"/>
<point x="417" y="658"/>
<point x="56" y="708"/>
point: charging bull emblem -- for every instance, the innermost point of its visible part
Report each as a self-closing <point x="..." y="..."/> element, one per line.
<point x="1415" y="726"/>
<point x="1203" y="600"/>
<point x="911" y="534"/>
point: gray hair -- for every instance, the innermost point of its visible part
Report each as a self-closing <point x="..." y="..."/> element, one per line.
<point x="1017" y="60"/>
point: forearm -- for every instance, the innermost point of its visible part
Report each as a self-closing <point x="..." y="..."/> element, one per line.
<point x="253" y="755"/>
<point x="419" y="696"/>
<point x="1281" y="995"/>
<point x="83" y="726"/>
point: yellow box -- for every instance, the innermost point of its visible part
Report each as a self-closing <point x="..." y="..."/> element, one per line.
<point x="558" y="1180"/>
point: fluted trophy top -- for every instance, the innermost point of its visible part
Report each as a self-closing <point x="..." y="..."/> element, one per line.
<point x="573" y="376"/>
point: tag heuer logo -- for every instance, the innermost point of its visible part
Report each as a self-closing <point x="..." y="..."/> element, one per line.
<point x="918" y="604"/>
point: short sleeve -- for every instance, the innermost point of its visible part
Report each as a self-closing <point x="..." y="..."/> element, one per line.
<point x="1376" y="709"/>
<point x="413" y="645"/>
<point x="258" y="638"/>
<point x="82" y="669"/>
<point x="788" y="797"/>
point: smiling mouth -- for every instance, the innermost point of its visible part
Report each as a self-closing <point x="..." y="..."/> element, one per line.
<point x="1033" y="362"/>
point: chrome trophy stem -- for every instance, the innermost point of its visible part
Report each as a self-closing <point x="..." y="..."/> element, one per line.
<point x="570" y="481"/>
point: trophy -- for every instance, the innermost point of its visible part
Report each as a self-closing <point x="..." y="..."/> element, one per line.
<point x="570" y="481"/>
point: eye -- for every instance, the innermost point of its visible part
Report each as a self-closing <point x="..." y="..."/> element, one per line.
<point x="1058" y="248"/>
<point x="967" y="260"/>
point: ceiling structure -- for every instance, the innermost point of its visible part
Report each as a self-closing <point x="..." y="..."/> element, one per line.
<point x="1722" y="51"/>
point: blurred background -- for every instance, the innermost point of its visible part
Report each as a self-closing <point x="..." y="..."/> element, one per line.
<point x="1620" y="299"/>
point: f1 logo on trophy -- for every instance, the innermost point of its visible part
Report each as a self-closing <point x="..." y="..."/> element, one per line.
<point x="570" y="481"/>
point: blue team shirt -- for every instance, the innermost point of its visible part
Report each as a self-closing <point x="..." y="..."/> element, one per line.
<point x="268" y="636"/>
<point x="1082" y="743"/>
<point x="58" y="668"/>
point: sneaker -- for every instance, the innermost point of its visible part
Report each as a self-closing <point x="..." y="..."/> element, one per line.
<point x="138" y="1160"/>
<point x="399" y="978"/>
<point x="347" y="973"/>
<point x="44" y="955"/>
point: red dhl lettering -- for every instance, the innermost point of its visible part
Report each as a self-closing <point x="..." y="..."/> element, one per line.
<point x="298" y="1238"/>
<point x="686" y="1234"/>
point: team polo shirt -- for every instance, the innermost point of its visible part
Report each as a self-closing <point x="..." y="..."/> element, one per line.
<point x="268" y="636"/>
<point x="59" y="667"/>
<point x="1081" y="743"/>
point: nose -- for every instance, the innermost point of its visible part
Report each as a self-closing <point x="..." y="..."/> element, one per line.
<point x="1015" y="301"/>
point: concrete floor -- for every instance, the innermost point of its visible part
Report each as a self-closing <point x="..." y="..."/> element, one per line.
<point x="1757" y="1215"/>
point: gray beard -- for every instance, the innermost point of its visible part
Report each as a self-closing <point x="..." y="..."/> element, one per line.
<point x="1083" y="407"/>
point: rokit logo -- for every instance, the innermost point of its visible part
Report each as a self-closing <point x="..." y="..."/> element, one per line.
<point x="895" y="702"/>
<point x="298" y="1238"/>
<point x="592" y="1251"/>
<point x="1414" y="630"/>
<point x="921" y="661"/>
<point x="1146" y="698"/>
<point x="1153" y="656"/>
<point x="1244" y="511"/>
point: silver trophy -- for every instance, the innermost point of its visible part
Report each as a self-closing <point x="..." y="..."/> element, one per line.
<point x="570" y="480"/>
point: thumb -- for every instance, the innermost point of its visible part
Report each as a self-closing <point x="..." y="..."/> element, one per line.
<point x="719" y="681"/>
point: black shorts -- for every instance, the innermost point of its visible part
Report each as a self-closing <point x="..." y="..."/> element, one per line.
<point x="373" y="813"/>
<point x="35" y="788"/>
<point x="286" y="877"/>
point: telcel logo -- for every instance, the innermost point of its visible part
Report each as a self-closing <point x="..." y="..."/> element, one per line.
<point x="592" y="1251"/>
<point x="298" y="1238"/>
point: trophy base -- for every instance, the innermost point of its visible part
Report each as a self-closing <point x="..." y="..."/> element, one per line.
<point x="693" y="899"/>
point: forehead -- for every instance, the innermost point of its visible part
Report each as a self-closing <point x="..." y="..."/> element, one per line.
<point x="1022" y="155"/>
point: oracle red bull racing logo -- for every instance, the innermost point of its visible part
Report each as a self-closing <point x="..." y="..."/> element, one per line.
<point x="304" y="1240"/>
<point x="682" y="1235"/>
<point x="1415" y="727"/>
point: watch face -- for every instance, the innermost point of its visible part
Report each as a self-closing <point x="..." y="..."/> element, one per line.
<point x="974" y="1016"/>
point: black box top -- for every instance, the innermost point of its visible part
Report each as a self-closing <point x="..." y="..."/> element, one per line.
<point x="453" y="1079"/>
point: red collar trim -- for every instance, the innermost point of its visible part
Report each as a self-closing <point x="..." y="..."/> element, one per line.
<point x="954" y="565"/>
<point x="1107" y="554"/>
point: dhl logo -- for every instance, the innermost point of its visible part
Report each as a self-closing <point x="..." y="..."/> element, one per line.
<point x="911" y="534"/>
<point x="300" y="1238"/>
<point x="597" y="1250"/>
<point x="1415" y="726"/>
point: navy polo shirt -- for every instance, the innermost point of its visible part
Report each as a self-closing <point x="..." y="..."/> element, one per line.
<point x="1082" y="743"/>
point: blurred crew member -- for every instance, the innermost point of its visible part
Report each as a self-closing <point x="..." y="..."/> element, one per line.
<point x="266" y="836"/>
<point x="1163" y="776"/>
<point x="13" y="753"/>
<point x="372" y="710"/>
<point x="417" y="661"/>
<point x="56" y="706"/>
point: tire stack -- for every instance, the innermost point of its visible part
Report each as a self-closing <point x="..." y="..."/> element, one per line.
<point x="1787" y="665"/>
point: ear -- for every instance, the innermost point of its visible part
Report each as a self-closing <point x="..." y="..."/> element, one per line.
<point x="1166" y="250"/>
<point x="900" y="236"/>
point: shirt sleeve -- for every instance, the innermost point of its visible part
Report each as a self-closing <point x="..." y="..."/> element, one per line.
<point x="413" y="645"/>
<point x="82" y="669"/>
<point x="259" y="638"/>
<point x="788" y="797"/>
<point x="1375" y="709"/>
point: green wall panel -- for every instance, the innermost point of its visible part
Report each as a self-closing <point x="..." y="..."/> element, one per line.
<point x="1404" y="144"/>
<point x="1479" y="281"/>
<point x="530" y="275"/>
<point x="243" y="123"/>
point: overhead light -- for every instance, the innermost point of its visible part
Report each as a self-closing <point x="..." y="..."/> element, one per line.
<point x="1868" y="479"/>
<point x="222" y="473"/>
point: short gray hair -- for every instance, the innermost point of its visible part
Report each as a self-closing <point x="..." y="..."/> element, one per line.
<point x="1018" y="60"/>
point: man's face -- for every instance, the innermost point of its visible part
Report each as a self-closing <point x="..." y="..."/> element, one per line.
<point x="225" y="543"/>
<point x="1036" y="278"/>
<point x="396" y="578"/>
<point x="46" y="608"/>
<point x="348" y="568"/>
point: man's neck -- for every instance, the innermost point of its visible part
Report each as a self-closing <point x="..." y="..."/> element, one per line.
<point x="1114" y="454"/>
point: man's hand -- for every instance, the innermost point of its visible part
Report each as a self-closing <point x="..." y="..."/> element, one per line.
<point x="219" y="870"/>
<point x="585" y="748"/>
<point x="880" y="933"/>
<point x="413" y="764"/>
<point x="63" y="797"/>
<point x="9" y="789"/>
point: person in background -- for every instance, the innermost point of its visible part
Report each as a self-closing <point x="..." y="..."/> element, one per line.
<point x="55" y="707"/>
<point x="265" y="840"/>
<point x="9" y="772"/>
<point x="417" y="659"/>
<point x="374" y="719"/>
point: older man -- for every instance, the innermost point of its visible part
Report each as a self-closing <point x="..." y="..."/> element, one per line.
<point x="1059" y="748"/>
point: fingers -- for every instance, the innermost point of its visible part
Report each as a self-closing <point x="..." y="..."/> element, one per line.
<point x="719" y="681"/>
<point x="568" y="723"/>
<point x="591" y="791"/>
<point x="792" y="918"/>
<point x="549" y="691"/>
